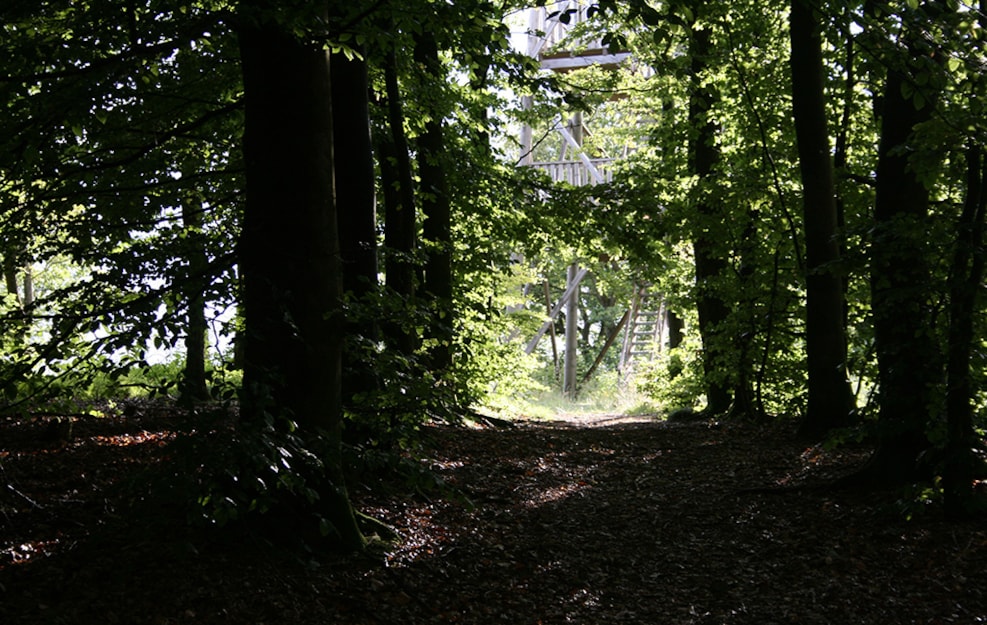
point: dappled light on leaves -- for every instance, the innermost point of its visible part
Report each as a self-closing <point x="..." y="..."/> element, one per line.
<point x="140" y="438"/>
<point x="57" y="490"/>
<point x="19" y="554"/>
<point x="552" y="495"/>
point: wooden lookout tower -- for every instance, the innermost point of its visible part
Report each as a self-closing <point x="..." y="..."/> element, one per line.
<point x="550" y="40"/>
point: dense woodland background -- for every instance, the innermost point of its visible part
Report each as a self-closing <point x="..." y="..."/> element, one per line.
<point x="314" y="211"/>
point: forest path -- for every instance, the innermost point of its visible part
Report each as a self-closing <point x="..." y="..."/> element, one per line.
<point x="588" y="521"/>
<point x="609" y="519"/>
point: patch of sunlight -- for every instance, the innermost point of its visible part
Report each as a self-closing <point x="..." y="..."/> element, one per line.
<point x="555" y="493"/>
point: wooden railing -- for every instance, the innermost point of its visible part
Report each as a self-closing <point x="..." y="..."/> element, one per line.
<point x="549" y="39"/>
<point x="577" y="173"/>
<point x="546" y="19"/>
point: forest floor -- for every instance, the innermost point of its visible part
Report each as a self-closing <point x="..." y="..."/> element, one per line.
<point x="588" y="521"/>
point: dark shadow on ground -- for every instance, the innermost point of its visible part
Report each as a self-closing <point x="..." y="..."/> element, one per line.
<point x="637" y="522"/>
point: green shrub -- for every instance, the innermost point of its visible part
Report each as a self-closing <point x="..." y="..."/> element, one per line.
<point x="673" y="379"/>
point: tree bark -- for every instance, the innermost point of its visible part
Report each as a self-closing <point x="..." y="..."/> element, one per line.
<point x="289" y="251"/>
<point x="841" y="154"/>
<point x="829" y="401"/>
<point x="355" y="193"/>
<point x="400" y="213"/>
<point x="965" y="277"/>
<point x="709" y="261"/>
<point x="357" y="219"/>
<point x="193" y="385"/>
<point x="909" y="362"/>
<point x="676" y="328"/>
<point x="436" y="209"/>
<point x="745" y="402"/>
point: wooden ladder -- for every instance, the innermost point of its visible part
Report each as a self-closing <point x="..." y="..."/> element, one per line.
<point x="644" y="329"/>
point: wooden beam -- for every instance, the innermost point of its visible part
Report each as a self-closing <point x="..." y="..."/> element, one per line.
<point x="554" y="313"/>
<point x="578" y="150"/>
<point x="571" y="337"/>
<point x="551" y="327"/>
<point x="564" y="63"/>
<point x="606" y="346"/>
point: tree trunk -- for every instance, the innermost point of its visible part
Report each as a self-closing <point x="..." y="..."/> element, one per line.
<point x="289" y="251"/>
<point x="436" y="208"/>
<point x="709" y="261"/>
<point x="355" y="193"/>
<point x="676" y="328"/>
<point x="357" y="219"/>
<point x="829" y="403"/>
<point x="28" y="285"/>
<point x="841" y="154"/>
<point x="193" y="385"/>
<point x="909" y="362"/>
<point x="965" y="277"/>
<point x="400" y="220"/>
<point x="743" y="342"/>
<point x="23" y="300"/>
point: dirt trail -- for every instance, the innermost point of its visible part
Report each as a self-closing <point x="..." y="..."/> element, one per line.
<point x="589" y="520"/>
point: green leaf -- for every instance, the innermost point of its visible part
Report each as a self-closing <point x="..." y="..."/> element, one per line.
<point x="907" y="90"/>
<point x="650" y="16"/>
<point x="919" y="100"/>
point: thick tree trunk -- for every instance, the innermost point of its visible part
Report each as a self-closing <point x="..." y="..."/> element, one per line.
<point x="965" y="277"/>
<point x="437" y="223"/>
<point x="829" y="403"/>
<point x="909" y="362"/>
<point x="289" y="252"/>
<point x="357" y="219"/>
<point x="355" y="193"/>
<point x="709" y="261"/>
